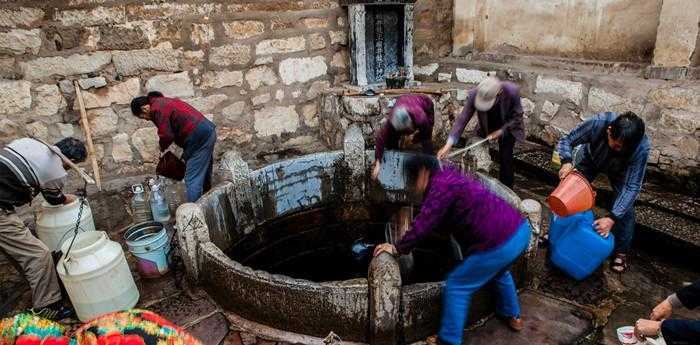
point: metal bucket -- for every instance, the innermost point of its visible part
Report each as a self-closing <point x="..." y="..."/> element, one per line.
<point x="150" y="243"/>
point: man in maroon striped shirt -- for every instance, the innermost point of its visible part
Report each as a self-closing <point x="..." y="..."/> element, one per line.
<point x="182" y="124"/>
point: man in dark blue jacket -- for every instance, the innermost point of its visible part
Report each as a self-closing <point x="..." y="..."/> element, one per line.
<point x="674" y="331"/>
<point x="616" y="146"/>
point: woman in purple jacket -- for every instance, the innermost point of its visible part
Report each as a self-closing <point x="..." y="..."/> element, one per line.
<point x="412" y="114"/>
<point x="493" y="233"/>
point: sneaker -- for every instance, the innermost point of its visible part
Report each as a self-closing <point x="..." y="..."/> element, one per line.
<point x="516" y="324"/>
<point x="55" y="312"/>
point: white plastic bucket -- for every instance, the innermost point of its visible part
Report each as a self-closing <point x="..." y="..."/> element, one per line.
<point x="96" y="275"/>
<point x="150" y="243"/>
<point x="56" y="223"/>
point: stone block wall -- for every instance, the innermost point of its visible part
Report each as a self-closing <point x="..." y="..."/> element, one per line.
<point x="555" y="101"/>
<point x="254" y="67"/>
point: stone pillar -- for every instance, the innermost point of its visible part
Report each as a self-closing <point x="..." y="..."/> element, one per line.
<point x="192" y="230"/>
<point x="354" y="149"/>
<point x="244" y="200"/>
<point x="676" y="39"/>
<point x="533" y="209"/>
<point x="358" y="51"/>
<point x="384" y="300"/>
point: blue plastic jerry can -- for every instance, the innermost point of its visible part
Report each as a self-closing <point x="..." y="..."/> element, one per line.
<point x="576" y="248"/>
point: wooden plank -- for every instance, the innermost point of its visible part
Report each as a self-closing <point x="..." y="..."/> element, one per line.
<point x="88" y="136"/>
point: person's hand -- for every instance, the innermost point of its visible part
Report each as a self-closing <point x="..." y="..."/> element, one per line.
<point x="444" y="151"/>
<point x="662" y="311"/>
<point x="565" y="170"/>
<point x="495" y="135"/>
<point x="384" y="247"/>
<point x="69" y="198"/>
<point x="375" y="170"/>
<point x="646" y="328"/>
<point x="603" y="226"/>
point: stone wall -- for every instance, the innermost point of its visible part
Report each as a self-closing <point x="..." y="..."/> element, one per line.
<point x="618" y="30"/>
<point x="254" y="67"/>
<point x="433" y="28"/>
<point x="555" y="101"/>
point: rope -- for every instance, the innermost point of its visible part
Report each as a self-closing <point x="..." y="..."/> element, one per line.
<point x="82" y="197"/>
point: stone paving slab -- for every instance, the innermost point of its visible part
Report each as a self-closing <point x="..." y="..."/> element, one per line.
<point x="212" y="330"/>
<point x="547" y="321"/>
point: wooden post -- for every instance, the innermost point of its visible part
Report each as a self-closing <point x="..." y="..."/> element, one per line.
<point x="88" y="136"/>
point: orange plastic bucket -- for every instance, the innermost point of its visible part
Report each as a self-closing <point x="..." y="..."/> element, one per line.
<point x="574" y="194"/>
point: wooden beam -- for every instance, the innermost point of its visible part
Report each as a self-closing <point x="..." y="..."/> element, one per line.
<point x="88" y="136"/>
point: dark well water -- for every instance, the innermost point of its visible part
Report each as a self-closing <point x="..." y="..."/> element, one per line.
<point x="316" y="245"/>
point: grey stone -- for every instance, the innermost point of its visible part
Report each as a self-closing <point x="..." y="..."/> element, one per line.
<point x="15" y="96"/>
<point x="48" y="100"/>
<point x="279" y="95"/>
<point x="66" y="87"/>
<point x="276" y="120"/>
<point x="103" y="121"/>
<point x="230" y="54"/>
<point x="445" y="77"/>
<point x="65" y="130"/>
<point x="121" y="93"/>
<point x="301" y="70"/>
<point x="462" y="95"/>
<point x="339" y="37"/>
<point x="317" y="41"/>
<point x="160" y="59"/>
<point x="243" y="29"/>
<point x="90" y="83"/>
<point x="340" y="60"/>
<point x="20" y="41"/>
<point x="567" y="89"/>
<point x="281" y="45"/>
<point x="145" y="141"/>
<point x="8" y="130"/>
<point x="219" y="79"/>
<point x="315" y="23"/>
<point x="261" y="76"/>
<point x="202" y="34"/>
<point x="174" y="85"/>
<point x="470" y="76"/>
<point x="361" y="106"/>
<point x="384" y="300"/>
<point x="426" y="70"/>
<point x="528" y="106"/>
<point x="263" y="60"/>
<point x="234" y="111"/>
<point x="549" y="109"/>
<point x="65" y="66"/>
<point x="207" y="104"/>
<point x="679" y="120"/>
<point x="600" y="100"/>
<point x="20" y="17"/>
<point x="317" y="88"/>
<point x="685" y="98"/>
<point x="37" y="129"/>
<point x="310" y="114"/>
<point x="261" y="99"/>
<point x="121" y="149"/>
<point x="193" y="58"/>
<point x="97" y="16"/>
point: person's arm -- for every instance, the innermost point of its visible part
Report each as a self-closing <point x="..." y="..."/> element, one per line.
<point x="433" y="210"/>
<point x="688" y="296"/>
<point x="583" y="133"/>
<point x="633" y="185"/>
<point x="52" y="192"/>
<point x="383" y="135"/>
<point x="675" y="330"/>
<point x="462" y="120"/>
<point x="165" y="131"/>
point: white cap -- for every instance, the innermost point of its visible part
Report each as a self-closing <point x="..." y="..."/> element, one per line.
<point x="486" y="93"/>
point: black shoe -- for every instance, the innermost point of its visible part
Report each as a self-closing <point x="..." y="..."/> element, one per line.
<point x="54" y="312"/>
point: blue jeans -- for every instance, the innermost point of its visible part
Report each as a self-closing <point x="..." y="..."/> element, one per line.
<point x="491" y="266"/>
<point x="199" y="158"/>
<point x="623" y="229"/>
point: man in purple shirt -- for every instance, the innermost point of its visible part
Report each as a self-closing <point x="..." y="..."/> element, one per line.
<point x="493" y="233"/>
<point x="412" y="114"/>
<point x="500" y="117"/>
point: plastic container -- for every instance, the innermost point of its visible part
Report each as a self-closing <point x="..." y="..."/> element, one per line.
<point x="96" y="276"/>
<point x="56" y="224"/>
<point x="576" y="248"/>
<point x="150" y="244"/>
<point x="159" y="206"/>
<point x="626" y="335"/>
<point x="574" y="194"/>
<point x="140" y="208"/>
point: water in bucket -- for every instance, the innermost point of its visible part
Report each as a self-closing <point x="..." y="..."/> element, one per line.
<point x="150" y="243"/>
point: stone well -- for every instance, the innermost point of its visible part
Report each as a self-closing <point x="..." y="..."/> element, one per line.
<point x="232" y="238"/>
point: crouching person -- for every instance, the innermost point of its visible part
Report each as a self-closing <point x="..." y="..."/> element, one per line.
<point x="493" y="233"/>
<point x="29" y="167"/>
<point x="674" y="331"/>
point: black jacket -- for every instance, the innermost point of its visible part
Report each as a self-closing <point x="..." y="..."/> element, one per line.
<point x="684" y="332"/>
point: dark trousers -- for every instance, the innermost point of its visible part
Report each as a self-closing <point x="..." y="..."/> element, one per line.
<point x="505" y="160"/>
<point x="681" y="332"/>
